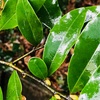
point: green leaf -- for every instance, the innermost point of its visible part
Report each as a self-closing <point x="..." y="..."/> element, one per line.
<point x="86" y="56"/>
<point x="37" y="4"/>
<point x="92" y="12"/>
<point x="62" y="37"/>
<point x="8" y="17"/>
<point x="14" y="87"/>
<point x="38" y="68"/>
<point x="47" y="13"/>
<point x="1" y="94"/>
<point x="53" y="98"/>
<point x="28" y="23"/>
<point x="92" y="89"/>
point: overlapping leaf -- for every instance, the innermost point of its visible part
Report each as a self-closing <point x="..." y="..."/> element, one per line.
<point x="37" y="4"/>
<point x="86" y="56"/>
<point x="50" y="13"/>
<point x="8" y="17"/>
<point x="92" y="12"/>
<point x="92" y="89"/>
<point x="28" y="23"/>
<point x="38" y="68"/>
<point x="62" y="37"/>
<point x="14" y="87"/>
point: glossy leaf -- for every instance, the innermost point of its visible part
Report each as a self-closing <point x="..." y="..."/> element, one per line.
<point x="37" y="4"/>
<point x="38" y="68"/>
<point x="62" y="37"/>
<point x="92" y="12"/>
<point x="14" y="87"/>
<point x="47" y="13"/>
<point x="1" y="94"/>
<point x="8" y="17"/>
<point x="28" y="23"/>
<point x="92" y="89"/>
<point x="86" y="56"/>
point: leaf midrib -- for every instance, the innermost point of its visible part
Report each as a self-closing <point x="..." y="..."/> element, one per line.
<point x="64" y="38"/>
<point x="84" y="68"/>
<point x="28" y="21"/>
<point x="7" y="21"/>
<point x="10" y="18"/>
<point x="14" y="79"/>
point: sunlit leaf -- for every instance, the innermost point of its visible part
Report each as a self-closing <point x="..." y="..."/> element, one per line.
<point x="62" y="37"/>
<point x="8" y="17"/>
<point x="92" y="89"/>
<point x="38" y="68"/>
<point x="28" y="22"/>
<point x="14" y="87"/>
<point x="92" y="12"/>
<point x="1" y="94"/>
<point x="86" y="56"/>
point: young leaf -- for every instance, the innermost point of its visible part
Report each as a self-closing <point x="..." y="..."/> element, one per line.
<point x="14" y="87"/>
<point x="62" y="37"/>
<point x="8" y="17"/>
<point x="38" y="68"/>
<point x="28" y="22"/>
<point x="36" y="4"/>
<point x="92" y="89"/>
<point x="1" y="94"/>
<point x="47" y="13"/>
<point x="86" y="56"/>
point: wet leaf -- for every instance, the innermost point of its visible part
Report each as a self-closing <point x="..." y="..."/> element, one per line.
<point x="14" y="87"/>
<point x="47" y="13"/>
<point x="92" y="12"/>
<point x="8" y="16"/>
<point x="1" y="95"/>
<point x="92" y="89"/>
<point x="86" y="56"/>
<point x="38" y="68"/>
<point x="28" y="22"/>
<point x="62" y="37"/>
<point x="36" y="4"/>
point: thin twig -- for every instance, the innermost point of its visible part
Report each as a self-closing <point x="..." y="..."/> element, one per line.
<point x="32" y="77"/>
<point x="12" y="66"/>
<point x="27" y="54"/>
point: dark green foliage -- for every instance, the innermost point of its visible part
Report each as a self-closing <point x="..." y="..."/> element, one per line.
<point x="30" y="16"/>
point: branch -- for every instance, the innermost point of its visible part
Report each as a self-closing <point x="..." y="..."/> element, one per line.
<point x="32" y="77"/>
<point x="27" y="54"/>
